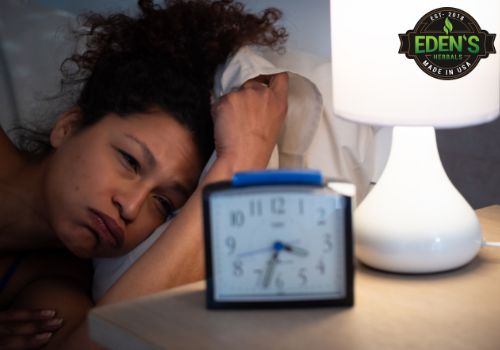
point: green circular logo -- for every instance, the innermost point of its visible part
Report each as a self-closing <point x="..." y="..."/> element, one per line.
<point x="447" y="43"/>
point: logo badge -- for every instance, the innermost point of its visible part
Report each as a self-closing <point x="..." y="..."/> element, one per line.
<point x="447" y="43"/>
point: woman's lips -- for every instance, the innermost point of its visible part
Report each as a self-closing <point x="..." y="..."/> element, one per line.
<point x="107" y="229"/>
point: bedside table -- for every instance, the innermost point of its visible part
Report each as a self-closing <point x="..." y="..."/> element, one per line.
<point x="459" y="309"/>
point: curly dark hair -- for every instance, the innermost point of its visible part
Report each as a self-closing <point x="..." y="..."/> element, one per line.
<point x="164" y="58"/>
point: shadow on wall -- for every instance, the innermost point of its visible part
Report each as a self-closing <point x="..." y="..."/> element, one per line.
<point x="471" y="158"/>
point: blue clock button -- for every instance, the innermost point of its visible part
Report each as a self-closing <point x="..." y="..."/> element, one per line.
<point x="277" y="177"/>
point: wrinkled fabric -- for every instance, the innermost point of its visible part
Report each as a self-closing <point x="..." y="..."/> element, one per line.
<point x="305" y="103"/>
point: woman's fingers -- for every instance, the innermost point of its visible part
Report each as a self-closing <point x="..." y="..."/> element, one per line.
<point x="247" y="121"/>
<point x="262" y="81"/>
<point x="24" y="342"/>
<point x="279" y="84"/>
<point x="25" y="315"/>
<point x="27" y="329"/>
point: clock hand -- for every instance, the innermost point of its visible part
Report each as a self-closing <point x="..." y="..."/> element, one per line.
<point x="261" y="250"/>
<point x="295" y="250"/>
<point x="256" y="251"/>
<point x="270" y="269"/>
<point x="277" y="247"/>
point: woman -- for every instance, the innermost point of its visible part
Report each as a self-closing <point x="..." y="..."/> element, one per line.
<point x="125" y="156"/>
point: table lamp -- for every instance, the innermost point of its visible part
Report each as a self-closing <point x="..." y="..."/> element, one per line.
<point x="416" y="66"/>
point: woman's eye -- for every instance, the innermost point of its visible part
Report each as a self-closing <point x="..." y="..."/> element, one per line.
<point x="165" y="206"/>
<point x="131" y="161"/>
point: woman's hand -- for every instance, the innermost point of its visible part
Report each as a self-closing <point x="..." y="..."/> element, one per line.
<point x="247" y="122"/>
<point x="27" y="329"/>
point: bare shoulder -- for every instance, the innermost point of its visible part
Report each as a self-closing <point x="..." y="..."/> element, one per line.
<point x="68" y="299"/>
<point x="5" y="142"/>
<point x="53" y="280"/>
<point x="59" y="263"/>
<point x="44" y="265"/>
<point x="9" y="153"/>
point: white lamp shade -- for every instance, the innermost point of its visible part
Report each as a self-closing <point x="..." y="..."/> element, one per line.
<point x="374" y="84"/>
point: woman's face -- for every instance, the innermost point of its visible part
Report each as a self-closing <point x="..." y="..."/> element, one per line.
<point x="110" y="185"/>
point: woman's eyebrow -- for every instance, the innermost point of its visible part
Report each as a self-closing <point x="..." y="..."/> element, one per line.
<point x="146" y="152"/>
<point x="151" y="161"/>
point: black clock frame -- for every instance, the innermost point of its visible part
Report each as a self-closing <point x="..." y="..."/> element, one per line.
<point x="211" y="303"/>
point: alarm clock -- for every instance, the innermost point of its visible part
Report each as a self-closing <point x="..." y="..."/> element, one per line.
<point x="277" y="238"/>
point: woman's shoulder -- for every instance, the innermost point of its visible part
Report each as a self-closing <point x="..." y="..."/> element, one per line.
<point x="9" y="154"/>
<point x="40" y="265"/>
<point x="4" y="140"/>
<point x="52" y="280"/>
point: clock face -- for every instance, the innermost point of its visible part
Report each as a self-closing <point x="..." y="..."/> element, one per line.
<point x="278" y="243"/>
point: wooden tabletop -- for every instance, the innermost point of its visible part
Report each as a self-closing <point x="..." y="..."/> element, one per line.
<point x="453" y="310"/>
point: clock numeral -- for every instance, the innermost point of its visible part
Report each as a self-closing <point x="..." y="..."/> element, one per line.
<point x="303" y="276"/>
<point x="237" y="218"/>
<point x="301" y="206"/>
<point x="255" y="208"/>
<point x="279" y="282"/>
<point x="328" y="243"/>
<point x="321" y="266"/>
<point x="278" y="205"/>
<point x="238" y="268"/>
<point x="321" y="217"/>
<point x="230" y="244"/>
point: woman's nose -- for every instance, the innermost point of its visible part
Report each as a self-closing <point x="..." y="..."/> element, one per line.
<point x="129" y="203"/>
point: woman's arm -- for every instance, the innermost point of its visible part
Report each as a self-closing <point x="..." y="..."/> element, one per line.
<point x="247" y="124"/>
<point x="44" y="280"/>
<point x="68" y="299"/>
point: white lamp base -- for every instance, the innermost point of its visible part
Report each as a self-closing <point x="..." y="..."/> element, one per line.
<point x="414" y="220"/>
